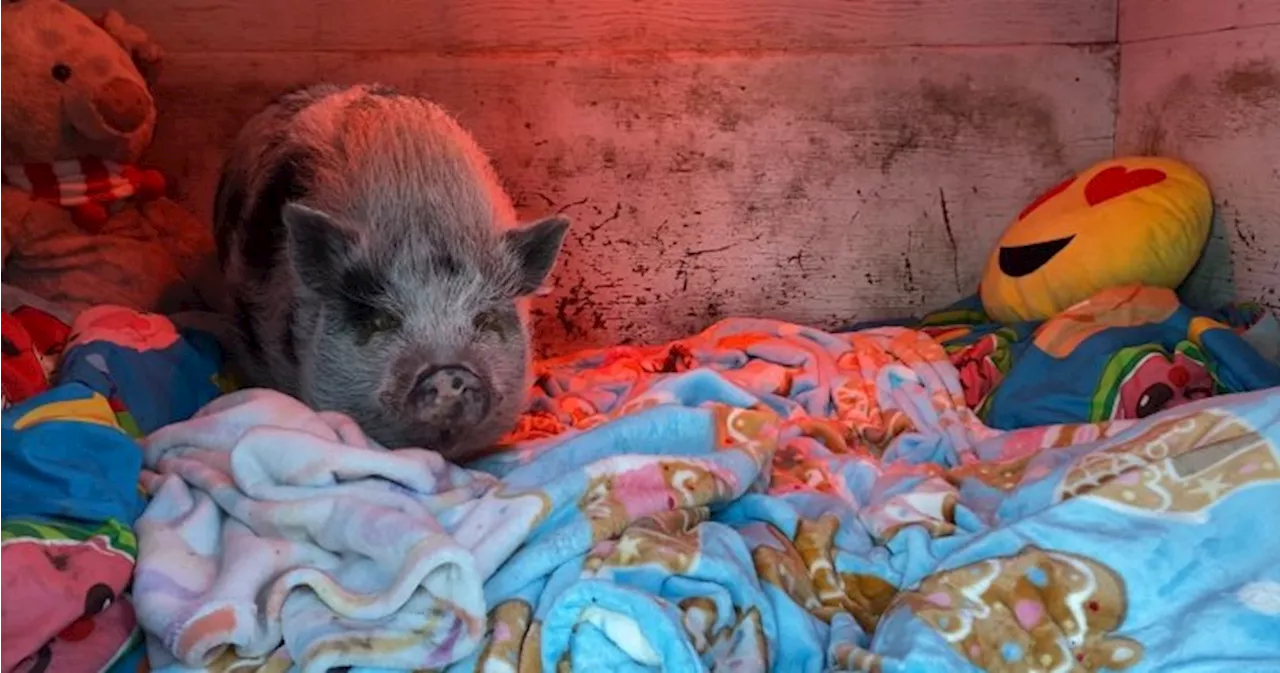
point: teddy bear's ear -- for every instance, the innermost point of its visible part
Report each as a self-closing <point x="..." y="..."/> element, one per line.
<point x="146" y="55"/>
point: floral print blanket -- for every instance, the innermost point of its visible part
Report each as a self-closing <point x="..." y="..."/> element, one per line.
<point x="758" y="497"/>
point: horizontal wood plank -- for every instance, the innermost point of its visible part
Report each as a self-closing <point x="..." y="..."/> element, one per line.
<point x="481" y="26"/>
<point x="1152" y="19"/>
<point x="203" y="100"/>
<point x="818" y="189"/>
<point x="219" y="25"/>
<point x="1213" y="100"/>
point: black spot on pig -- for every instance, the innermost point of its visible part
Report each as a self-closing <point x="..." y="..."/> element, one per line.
<point x="383" y="90"/>
<point x="290" y="103"/>
<point x="248" y="330"/>
<point x="358" y="105"/>
<point x="228" y="206"/>
<point x="446" y="265"/>
<point x="289" y="338"/>
<point x="363" y="285"/>
<point x="266" y="233"/>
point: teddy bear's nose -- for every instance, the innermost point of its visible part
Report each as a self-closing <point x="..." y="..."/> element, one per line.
<point x="122" y="104"/>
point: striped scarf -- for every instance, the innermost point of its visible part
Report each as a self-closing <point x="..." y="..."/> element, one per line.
<point x="92" y="189"/>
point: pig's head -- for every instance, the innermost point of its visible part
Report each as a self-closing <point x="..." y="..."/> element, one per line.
<point x="74" y="87"/>
<point x="422" y="338"/>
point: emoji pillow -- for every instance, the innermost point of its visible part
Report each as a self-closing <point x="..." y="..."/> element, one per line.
<point x="1134" y="220"/>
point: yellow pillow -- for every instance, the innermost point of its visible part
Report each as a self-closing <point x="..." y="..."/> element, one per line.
<point x="1134" y="220"/>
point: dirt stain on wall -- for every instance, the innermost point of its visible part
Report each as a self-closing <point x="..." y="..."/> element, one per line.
<point x="1255" y="82"/>
<point x="1223" y="104"/>
<point x="742" y="195"/>
<point x="935" y="115"/>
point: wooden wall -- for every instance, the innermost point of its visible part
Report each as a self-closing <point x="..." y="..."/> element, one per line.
<point x="819" y="161"/>
<point x="1200" y="80"/>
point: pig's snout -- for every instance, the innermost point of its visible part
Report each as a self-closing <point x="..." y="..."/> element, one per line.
<point x="450" y="399"/>
<point x="122" y="104"/>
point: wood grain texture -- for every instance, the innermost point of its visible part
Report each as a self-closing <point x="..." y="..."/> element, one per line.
<point x="819" y="189"/>
<point x="219" y="25"/>
<point x="203" y="101"/>
<point x="1213" y="100"/>
<point x="482" y="26"/>
<point x="1151" y="19"/>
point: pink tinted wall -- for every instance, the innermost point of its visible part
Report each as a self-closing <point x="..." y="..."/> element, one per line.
<point x="818" y="161"/>
<point x="1200" y="80"/>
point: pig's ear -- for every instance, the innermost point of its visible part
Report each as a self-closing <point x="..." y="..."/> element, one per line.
<point x="318" y="245"/>
<point x="536" y="247"/>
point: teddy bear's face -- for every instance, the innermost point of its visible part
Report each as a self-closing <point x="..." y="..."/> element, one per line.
<point x="70" y="90"/>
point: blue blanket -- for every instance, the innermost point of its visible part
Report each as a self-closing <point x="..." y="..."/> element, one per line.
<point x="875" y="525"/>
<point x="758" y="497"/>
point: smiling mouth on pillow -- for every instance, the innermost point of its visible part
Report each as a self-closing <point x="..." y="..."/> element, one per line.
<point x="1020" y="260"/>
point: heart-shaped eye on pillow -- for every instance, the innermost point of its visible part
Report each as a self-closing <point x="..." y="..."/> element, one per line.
<point x="1118" y="181"/>
<point x="1125" y="221"/>
<point x="1054" y="191"/>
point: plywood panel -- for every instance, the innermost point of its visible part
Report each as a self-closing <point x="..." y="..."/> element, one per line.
<point x="1148" y="19"/>
<point x="820" y="189"/>
<point x="203" y="100"/>
<point x="467" y="26"/>
<point x="1214" y="101"/>
<point x="220" y="25"/>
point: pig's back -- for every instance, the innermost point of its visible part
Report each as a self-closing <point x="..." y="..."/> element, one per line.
<point x="366" y="154"/>
<point x="397" y="165"/>
<point x="393" y="160"/>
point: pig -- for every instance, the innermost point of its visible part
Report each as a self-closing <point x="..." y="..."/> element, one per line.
<point x="375" y="266"/>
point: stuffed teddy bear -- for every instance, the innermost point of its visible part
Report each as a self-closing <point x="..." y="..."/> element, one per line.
<point x="82" y="224"/>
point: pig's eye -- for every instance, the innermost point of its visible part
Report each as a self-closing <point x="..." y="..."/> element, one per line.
<point x="487" y="321"/>
<point x="383" y="322"/>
